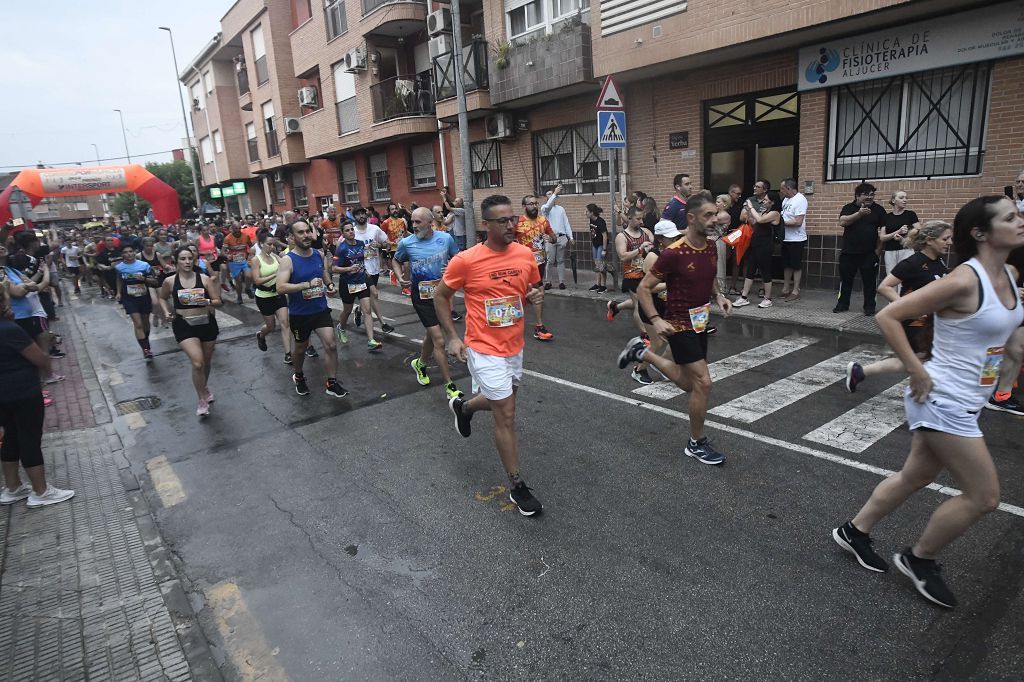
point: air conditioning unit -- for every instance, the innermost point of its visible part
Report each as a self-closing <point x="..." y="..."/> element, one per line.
<point x="441" y="44"/>
<point x="292" y="125"/>
<point x="307" y="96"/>
<point x="499" y="127"/>
<point x="355" y="60"/>
<point x="439" y="21"/>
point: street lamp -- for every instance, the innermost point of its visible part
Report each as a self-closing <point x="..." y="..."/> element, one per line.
<point x="103" y="197"/>
<point x="184" y="118"/>
<point x="124" y="135"/>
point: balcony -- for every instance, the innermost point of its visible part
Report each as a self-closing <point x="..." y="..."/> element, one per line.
<point x="562" y="60"/>
<point x="474" y="70"/>
<point x="370" y="5"/>
<point x="397" y="19"/>
<point x="402" y="97"/>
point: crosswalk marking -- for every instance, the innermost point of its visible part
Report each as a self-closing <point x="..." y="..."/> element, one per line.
<point x="734" y="364"/>
<point x="777" y="395"/>
<point x="872" y="420"/>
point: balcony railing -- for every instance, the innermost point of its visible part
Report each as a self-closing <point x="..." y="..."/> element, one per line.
<point x="370" y="5"/>
<point x="273" y="148"/>
<point x="254" y="150"/>
<point x="402" y="96"/>
<point x="243" y="82"/>
<point x="474" y="70"/>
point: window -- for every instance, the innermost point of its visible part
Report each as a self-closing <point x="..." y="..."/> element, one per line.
<point x="206" y="149"/>
<point x="348" y="183"/>
<point x="208" y="81"/>
<point x="379" y="189"/>
<point x="920" y="125"/>
<point x="561" y="8"/>
<point x="299" y="198"/>
<point x="524" y="17"/>
<point x="259" y="53"/>
<point x="218" y="142"/>
<point x="337" y="22"/>
<point x="486" y="160"/>
<point x="571" y="157"/>
<point x="277" y="183"/>
<point x="242" y="74"/>
<point x="198" y="98"/>
<point x="270" y="129"/>
<point x="250" y="139"/>
<point x="302" y="10"/>
<point x="421" y="166"/>
<point x="345" y="99"/>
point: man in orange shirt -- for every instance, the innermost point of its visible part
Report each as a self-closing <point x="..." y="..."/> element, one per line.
<point x="250" y="227"/>
<point x="396" y="229"/>
<point x="332" y="229"/>
<point x="497" y="277"/>
<point x="532" y="231"/>
<point x="238" y="250"/>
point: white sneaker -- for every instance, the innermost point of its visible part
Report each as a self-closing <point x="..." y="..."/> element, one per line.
<point x="203" y="409"/>
<point x="766" y="303"/>
<point x="12" y="496"/>
<point x="740" y="302"/>
<point x="51" y="496"/>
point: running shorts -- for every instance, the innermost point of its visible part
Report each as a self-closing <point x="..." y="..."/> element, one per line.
<point x="236" y="268"/>
<point x="204" y="332"/>
<point x="73" y="269"/>
<point x="938" y="414"/>
<point x="424" y="309"/>
<point x="268" y="305"/>
<point x="137" y="304"/>
<point x="630" y="285"/>
<point x="688" y="347"/>
<point x="495" y="375"/>
<point x="32" y="325"/>
<point x="304" y="325"/>
<point x="372" y="280"/>
<point x="349" y="298"/>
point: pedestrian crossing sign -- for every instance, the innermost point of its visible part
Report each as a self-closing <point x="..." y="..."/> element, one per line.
<point x="611" y="129"/>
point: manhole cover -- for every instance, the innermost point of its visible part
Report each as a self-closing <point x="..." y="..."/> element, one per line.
<point x="138" y="405"/>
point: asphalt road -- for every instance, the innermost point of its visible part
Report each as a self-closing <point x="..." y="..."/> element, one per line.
<point x="362" y="538"/>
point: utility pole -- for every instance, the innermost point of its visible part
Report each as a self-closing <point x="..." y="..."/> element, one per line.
<point x="184" y="119"/>
<point x="103" y="197"/>
<point x="460" y="95"/>
<point x="120" y="115"/>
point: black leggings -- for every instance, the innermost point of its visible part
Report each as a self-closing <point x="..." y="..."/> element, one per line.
<point x="22" y="421"/>
<point x="759" y="257"/>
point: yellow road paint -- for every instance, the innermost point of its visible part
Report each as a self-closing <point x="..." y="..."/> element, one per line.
<point x="508" y="506"/>
<point x="490" y="494"/>
<point x="243" y="637"/>
<point x="165" y="481"/>
<point x="134" y="420"/>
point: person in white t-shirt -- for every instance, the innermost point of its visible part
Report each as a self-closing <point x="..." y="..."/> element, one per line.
<point x="794" y="216"/>
<point x="72" y="254"/>
<point x="373" y="238"/>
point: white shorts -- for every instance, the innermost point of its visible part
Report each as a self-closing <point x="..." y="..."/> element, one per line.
<point x="938" y="414"/>
<point x="493" y="374"/>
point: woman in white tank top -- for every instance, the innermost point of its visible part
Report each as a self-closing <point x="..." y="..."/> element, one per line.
<point x="977" y="307"/>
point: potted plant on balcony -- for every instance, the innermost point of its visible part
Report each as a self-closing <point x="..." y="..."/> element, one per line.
<point x="501" y="54"/>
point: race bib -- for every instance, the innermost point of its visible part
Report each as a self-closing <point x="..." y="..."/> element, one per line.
<point x="699" y="317"/>
<point x="312" y="292"/>
<point x="356" y="288"/>
<point x="427" y="288"/>
<point x="504" y="311"/>
<point x="237" y="257"/>
<point x="195" y="296"/>
<point x="990" y="370"/>
<point x="663" y="294"/>
<point x="637" y="263"/>
<point x="540" y="257"/>
<point x="135" y="289"/>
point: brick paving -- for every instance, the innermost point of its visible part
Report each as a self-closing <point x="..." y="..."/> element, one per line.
<point x="75" y="398"/>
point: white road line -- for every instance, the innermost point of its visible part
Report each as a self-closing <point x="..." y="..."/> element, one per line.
<point x="792" y="447"/>
<point x="734" y="364"/>
<point x="861" y="427"/>
<point x="224" y="320"/>
<point x="771" y="398"/>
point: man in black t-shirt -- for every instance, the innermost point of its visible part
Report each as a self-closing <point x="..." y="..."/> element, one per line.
<point x="860" y="220"/>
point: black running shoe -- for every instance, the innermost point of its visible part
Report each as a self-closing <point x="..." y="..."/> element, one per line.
<point x="386" y="328"/>
<point x="702" y="451"/>
<point x="359" y="317"/>
<point x="594" y="288"/>
<point x="926" y="574"/>
<point x="854" y="375"/>
<point x="261" y="342"/>
<point x="524" y="499"/>
<point x="56" y="353"/>
<point x="456" y="316"/>
<point x="641" y="376"/>
<point x="859" y="545"/>
<point x="461" y="418"/>
<point x="334" y="389"/>
<point x="633" y="351"/>
<point x="1009" y="405"/>
<point x="311" y="352"/>
<point x="287" y="358"/>
<point x="300" y="384"/>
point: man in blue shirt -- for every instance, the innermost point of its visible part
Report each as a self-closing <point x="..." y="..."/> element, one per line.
<point x="133" y="294"/>
<point x="676" y="208"/>
<point x="349" y="263"/>
<point x="419" y="263"/>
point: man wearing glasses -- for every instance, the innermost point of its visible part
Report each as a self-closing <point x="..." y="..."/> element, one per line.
<point x="497" y="277"/>
<point x="534" y="231"/>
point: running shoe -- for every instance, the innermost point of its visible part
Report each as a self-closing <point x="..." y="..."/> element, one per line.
<point x="524" y="499"/>
<point x="641" y="376"/>
<point x="208" y="394"/>
<point x="601" y="290"/>
<point x="740" y="302"/>
<point x="51" y="496"/>
<point x="359" y="317"/>
<point x="342" y="334"/>
<point x="386" y="328"/>
<point x="702" y="451"/>
<point x="311" y="352"/>
<point x="203" y="409"/>
<point x="405" y="291"/>
<point x="561" y="285"/>
<point x="261" y="342"/>
<point x="859" y="545"/>
<point x="334" y="389"/>
<point x="645" y="338"/>
<point x="17" y="495"/>
<point x="547" y="286"/>
<point x="765" y="303"/>
<point x="456" y="316"/>
<point x="594" y="288"/>
<point x="633" y="352"/>
<point x="613" y="310"/>
<point x="287" y="358"/>
<point x="791" y="297"/>
<point x="54" y="379"/>
<point x="57" y="353"/>
<point x="462" y="419"/>
<point x="372" y="346"/>
<point x="1009" y="405"/>
<point x="854" y="375"/>
<point x="926" y="574"/>
<point x="420" y="368"/>
<point x="541" y="333"/>
<point x="451" y="391"/>
<point x="840" y="309"/>
<point x="300" y="384"/>
<point x="147" y="354"/>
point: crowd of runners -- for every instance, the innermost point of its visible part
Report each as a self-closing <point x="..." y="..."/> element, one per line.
<point x="956" y="333"/>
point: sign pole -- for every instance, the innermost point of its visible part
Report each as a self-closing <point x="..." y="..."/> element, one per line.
<point x="610" y="252"/>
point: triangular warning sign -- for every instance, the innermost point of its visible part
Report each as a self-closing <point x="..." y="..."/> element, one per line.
<point x="611" y="132"/>
<point x="609" y="97"/>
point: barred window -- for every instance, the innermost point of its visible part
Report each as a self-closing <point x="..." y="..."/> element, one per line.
<point x="421" y="165"/>
<point x="928" y="124"/>
<point x="299" y="196"/>
<point x="380" y="189"/>
<point x="570" y="157"/>
<point x="348" y="183"/>
<point x="486" y="159"/>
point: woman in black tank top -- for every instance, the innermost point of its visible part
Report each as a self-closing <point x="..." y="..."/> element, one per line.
<point x="161" y="314"/>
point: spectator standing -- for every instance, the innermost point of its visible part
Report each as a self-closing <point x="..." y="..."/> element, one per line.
<point x="1018" y="188"/>
<point x="650" y="209"/>
<point x="898" y="222"/>
<point x="598" y="245"/>
<point x="794" y="217"/>
<point x="861" y="220"/>
<point x="457" y="218"/>
<point x="675" y="210"/>
<point x="564" y="241"/>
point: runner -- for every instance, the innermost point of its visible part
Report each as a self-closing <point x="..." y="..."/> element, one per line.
<point x="209" y="252"/>
<point x="104" y="268"/>
<point x="395" y="227"/>
<point x="271" y="304"/>
<point x="930" y="242"/>
<point x="533" y="231"/>
<point x="419" y="263"/>
<point x="688" y="268"/>
<point x="160" y="266"/>
<point x="332" y="230"/>
<point x="353" y="285"/>
<point x="632" y="245"/>
<point x="304" y="278"/>
<point x="193" y="295"/>
<point x="134" y="278"/>
<point x="976" y="308"/>
<point x="72" y="254"/>
<point x="237" y="250"/>
<point x="665" y="233"/>
<point x="375" y="242"/>
<point x="496" y="277"/>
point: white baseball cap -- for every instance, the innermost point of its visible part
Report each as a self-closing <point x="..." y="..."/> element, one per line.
<point x="666" y="228"/>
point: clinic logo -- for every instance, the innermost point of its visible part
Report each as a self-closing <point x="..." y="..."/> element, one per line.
<point x="827" y="62"/>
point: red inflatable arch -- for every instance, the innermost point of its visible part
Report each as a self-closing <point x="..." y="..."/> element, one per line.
<point x="38" y="183"/>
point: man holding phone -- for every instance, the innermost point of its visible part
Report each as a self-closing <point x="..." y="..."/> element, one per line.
<point x="860" y="220"/>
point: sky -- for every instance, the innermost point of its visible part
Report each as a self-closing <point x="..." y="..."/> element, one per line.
<point x="67" y="64"/>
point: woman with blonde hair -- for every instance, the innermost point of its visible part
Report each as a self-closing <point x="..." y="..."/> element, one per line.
<point x="898" y="223"/>
<point x="722" y="222"/>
